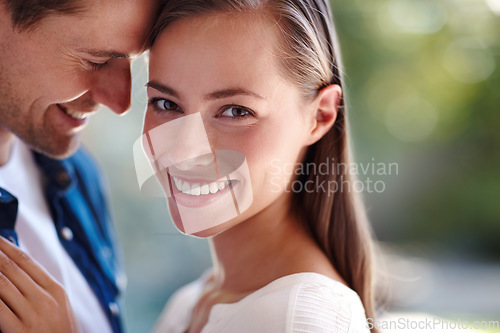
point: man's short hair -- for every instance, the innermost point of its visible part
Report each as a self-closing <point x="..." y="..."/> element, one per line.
<point x="26" y="13"/>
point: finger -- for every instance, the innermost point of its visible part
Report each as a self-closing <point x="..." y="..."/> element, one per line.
<point x="25" y="273"/>
<point x="10" y="295"/>
<point x="8" y="320"/>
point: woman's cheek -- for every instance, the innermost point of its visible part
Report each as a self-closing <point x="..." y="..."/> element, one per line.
<point x="149" y="122"/>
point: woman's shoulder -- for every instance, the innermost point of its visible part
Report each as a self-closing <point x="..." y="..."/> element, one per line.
<point x="303" y="302"/>
<point x="177" y="312"/>
<point x="322" y="304"/>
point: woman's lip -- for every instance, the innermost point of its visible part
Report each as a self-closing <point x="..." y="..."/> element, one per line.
<point x="195" y="201"/>
<point x="199" y="180"/>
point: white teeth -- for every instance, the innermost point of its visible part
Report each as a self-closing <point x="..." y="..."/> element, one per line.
<point x="214" y="188"/>
<point x="205" y="189"/>
<point x="197" y="189"/>
<point x="76" y="114"/>
<point x="178" y="184"/>
<point x="186" y="189"/>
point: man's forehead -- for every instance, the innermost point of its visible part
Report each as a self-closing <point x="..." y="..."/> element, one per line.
<point x="117" y="29"/>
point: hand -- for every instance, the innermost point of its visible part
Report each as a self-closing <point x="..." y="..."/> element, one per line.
<point x="30" y="300"/>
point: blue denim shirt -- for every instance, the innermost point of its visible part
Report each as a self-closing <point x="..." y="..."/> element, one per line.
<point x="75" y="196"/>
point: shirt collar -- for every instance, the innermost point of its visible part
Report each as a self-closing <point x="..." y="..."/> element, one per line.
<point x="59" y="173"/>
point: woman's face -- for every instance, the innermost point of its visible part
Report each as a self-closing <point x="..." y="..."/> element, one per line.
<point x="223" y="125"/>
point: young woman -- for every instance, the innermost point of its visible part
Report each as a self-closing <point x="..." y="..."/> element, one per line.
<point x="245" y="105"/>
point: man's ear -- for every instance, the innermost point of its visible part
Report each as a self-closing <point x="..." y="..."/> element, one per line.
<point x="325" y="113"/>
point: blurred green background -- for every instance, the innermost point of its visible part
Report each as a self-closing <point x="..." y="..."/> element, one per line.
<point x="422" y="84"/>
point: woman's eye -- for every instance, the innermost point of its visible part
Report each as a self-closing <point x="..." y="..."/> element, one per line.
<point x="164" y="104"/>
<point x="167" y="105"/>
<point x="235" y="111"/>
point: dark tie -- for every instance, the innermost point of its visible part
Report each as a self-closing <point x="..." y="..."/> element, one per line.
<point x="8" y="214"/>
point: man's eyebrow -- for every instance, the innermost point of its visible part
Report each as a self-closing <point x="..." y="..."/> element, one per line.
<point x="225" y="93"/>
<point x="105" y="54"/>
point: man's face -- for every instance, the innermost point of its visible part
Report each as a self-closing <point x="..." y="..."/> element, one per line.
<point x="55" y="75"/>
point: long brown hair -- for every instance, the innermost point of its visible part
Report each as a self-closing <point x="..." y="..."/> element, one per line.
<point x="309" y="58"/>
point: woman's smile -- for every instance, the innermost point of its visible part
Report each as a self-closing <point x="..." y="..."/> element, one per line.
<point x="197" y="193"/>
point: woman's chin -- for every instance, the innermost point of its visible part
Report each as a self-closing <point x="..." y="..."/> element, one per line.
<point x="205" y="233"/>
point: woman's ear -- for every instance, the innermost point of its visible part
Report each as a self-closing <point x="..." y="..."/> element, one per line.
<point x="326" y="107"/>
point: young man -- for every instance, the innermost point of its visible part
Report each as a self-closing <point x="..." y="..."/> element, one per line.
<point x="59" y="60"/>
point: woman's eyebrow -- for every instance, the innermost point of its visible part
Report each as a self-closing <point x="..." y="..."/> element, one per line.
<point x="219" y="94"/>
<point x="230" y="93"/>
<point x="162" y="88"/>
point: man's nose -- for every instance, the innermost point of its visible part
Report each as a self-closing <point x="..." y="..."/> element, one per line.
<point x="111" y="86"/>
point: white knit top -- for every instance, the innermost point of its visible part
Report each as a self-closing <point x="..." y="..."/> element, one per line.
<point x="298" y="303"/>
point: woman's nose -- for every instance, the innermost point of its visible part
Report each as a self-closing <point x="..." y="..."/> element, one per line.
<point x="182" y="143"/>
